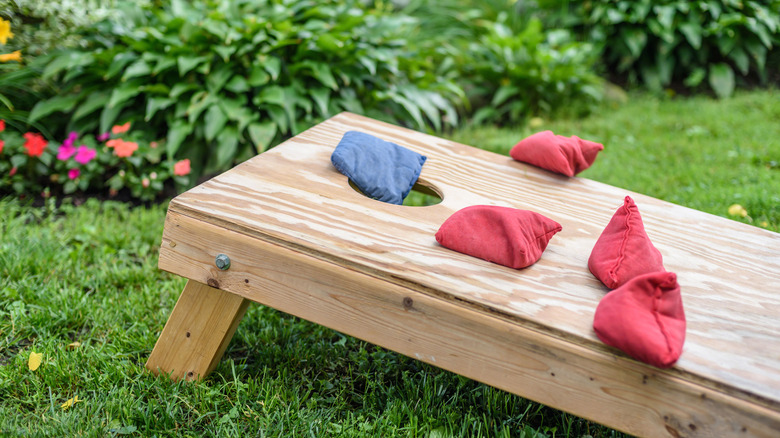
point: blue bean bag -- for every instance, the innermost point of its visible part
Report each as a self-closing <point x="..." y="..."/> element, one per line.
<point x="380" y="169"/>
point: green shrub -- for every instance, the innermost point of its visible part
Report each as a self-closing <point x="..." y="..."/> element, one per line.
<point x="222" y="80"/>
<point x="661" y="42"/>
<point x="44" y="25"/>
<point x="510" y="65"/>
<point x="530" y="72"/>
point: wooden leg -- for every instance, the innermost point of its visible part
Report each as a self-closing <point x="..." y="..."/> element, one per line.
<point x="197" y="332"/>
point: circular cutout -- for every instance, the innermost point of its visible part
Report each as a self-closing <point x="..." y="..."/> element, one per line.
<point x="422" y="194"/>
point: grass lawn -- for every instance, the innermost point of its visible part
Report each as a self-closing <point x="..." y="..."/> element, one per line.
<point x="80" y="286"/>
<point x="697" y="152"/>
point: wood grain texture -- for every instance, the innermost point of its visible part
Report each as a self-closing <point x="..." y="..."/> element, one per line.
<point x="592" y="383"/>
<point x="292" y="197"/>
<point x="197" y="332"/>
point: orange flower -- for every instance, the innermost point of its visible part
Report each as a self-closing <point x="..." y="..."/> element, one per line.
<point x="113" y="142"/>
<point x="125" y="148"/>
<point x="13" y="56"/>
<point x="121" y="129"/>
<point x="182" y="167"/>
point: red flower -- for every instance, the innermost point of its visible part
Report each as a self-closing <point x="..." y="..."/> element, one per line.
<point x="125" y="148"/>
<point x="35" y="144"/>
<point x="182" y="167"/>
<point x="74" y="173"/>
<point x="2" y="143"/>
<point x="2" y="125"/>
<point x="13" y="171"/>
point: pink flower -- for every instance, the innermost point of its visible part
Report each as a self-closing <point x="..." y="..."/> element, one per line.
<point x="35" y="144"/>
<point x="145" y="182"/>
<point x="84" y="155"/>
<point x="74" y="173"/>
<point x="104" y="136"/>
<point x="182" y="167"/>
<point x="68" y="144"/>
<point x="13" y="171"/>
<point x="65" y="151"/>
<point x="153" y="145"/>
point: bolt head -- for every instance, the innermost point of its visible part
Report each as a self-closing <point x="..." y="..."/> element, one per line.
<point x="222" y="261"/>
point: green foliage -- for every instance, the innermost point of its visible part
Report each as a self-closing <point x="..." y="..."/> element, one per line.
<point x="528" y="72"/>
<point x="221" y="80"/>
<point x="510" y="65"/>
<point x="672" y="41"/>
<point x="43" y="25"/>
<point x="18" y="93"/>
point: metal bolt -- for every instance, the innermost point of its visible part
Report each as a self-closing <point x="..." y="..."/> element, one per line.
<point x="222" y="261"/>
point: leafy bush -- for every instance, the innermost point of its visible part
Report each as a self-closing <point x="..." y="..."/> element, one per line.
<point x="44" y="25"/>
<point x="529" y="72"/>
<point x="509" y="64"/>
<point x="660" y="42"/>
<point x="222" y="80"/>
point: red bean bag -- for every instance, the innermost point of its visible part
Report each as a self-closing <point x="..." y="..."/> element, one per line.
<point x="644" y="318"/>
<point x="556" y="153"/>
<point x="503" y="235"/>
<point x="623" y="251"/>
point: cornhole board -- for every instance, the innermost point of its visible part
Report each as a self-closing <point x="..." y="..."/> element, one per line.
<point x="300" y="239"/>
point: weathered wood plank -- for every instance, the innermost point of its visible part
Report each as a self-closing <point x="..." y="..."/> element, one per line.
<point x="729" y="272"/>
<point x="590" y="380"/>
<point x="197" y="332"/>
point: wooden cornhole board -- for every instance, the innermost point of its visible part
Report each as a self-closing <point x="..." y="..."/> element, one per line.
<point x="301" y="240"/>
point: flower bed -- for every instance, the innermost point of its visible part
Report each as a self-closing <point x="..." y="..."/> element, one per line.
<point x="105" y="163"/>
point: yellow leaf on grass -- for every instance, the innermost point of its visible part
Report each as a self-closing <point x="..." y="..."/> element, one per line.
<point x="74" y="345"/>
<point x="71" y="402"/>
<point x="737" y="210"/>
<point x="34" y="361"/>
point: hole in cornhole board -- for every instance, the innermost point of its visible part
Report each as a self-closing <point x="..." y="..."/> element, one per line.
<point x="421" y="195"/>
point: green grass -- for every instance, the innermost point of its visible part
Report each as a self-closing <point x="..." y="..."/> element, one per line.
<point x="88" y="274"/>
<point x="698" y="152"/>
